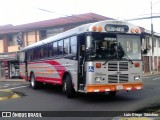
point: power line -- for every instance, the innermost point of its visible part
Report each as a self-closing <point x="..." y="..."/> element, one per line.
<point x="148" y="14"/>
<point x="52" y="12"/>
<point x="156" y="3"/>
<point x="142" y="18"/>
<point x="68" y="16"/>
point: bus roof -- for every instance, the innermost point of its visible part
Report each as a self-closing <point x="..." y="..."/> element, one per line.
<point x="82" y="29"/>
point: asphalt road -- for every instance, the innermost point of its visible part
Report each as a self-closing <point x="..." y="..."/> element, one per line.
<point x="50" y="98"/>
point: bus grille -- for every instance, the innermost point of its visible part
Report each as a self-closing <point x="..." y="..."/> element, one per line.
<point x="123" y="66"/>
<point x="118" y="66"/>
<point x="118" y="78"/>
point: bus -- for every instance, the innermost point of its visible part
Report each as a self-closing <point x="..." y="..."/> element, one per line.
<point x="98" y="57"/>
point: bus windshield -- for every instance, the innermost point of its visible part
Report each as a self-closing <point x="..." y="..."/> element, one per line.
<point x="115" y="46"/>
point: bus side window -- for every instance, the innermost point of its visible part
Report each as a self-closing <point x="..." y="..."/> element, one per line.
<point x="66" y="46"/>
<point x="34" y="52"/>
<point x="42" y="52"/>
<point x="31" y="54"/>
<point x="73" y="45"/>
<point x="28" y="55"/>
<point x="46" y="51"/>
<point x="60" y="47"/>
<point x="50" y="50"/>
<point x="38" y="52"/>
<point x="55" y="49"/>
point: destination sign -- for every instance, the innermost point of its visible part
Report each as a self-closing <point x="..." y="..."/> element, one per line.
<point x="116" y="28"/>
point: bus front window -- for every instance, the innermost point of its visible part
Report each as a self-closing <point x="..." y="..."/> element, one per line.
<point x="104" y="46"/>
<point x="115" y="46"/>
<point x="131" y="46"/>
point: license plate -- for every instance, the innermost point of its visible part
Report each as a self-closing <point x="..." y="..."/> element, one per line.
<point x="119" y="87"/>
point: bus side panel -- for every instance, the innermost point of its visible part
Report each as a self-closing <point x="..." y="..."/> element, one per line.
<point x="46" y="71"/>
<point x="71" y="66"/>
<point x="52" y="71"/>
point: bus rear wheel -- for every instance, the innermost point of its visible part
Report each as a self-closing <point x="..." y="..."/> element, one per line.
<point x="68" y="87"/>
<point x="33" y="83"/>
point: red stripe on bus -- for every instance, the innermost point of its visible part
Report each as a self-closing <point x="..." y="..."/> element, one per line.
<point x="49" y="80"/>
<point x="62" y="69"/>
<point x="59" y="68"/>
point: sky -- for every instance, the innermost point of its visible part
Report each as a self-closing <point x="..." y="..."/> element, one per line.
<point x="18" y="12"/>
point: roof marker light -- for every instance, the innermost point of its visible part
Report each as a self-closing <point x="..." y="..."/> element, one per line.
<point x="100" y="28"/>
<point x="132" y="30"/>
<point x="137" y="30"/>
<point x="94" y="28"/>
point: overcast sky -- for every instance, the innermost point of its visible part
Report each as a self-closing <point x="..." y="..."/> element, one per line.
<point x="26" y="11"/>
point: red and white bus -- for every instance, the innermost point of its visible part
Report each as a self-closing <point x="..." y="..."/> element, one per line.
<point x="97" y="57"/>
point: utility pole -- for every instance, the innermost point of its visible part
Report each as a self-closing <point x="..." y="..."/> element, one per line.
<point x="152" y="38"/>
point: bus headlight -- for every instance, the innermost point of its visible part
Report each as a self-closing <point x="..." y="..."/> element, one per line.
<point x="98" y="79"/>
<point x="137" y="78"/>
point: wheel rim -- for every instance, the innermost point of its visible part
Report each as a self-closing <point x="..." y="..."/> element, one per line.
<point x="64" y="86"/>
<point x="32" y="81"/>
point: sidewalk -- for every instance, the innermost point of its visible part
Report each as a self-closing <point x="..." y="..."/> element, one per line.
<point x="150" y="74"/>
<point x="6" y="94"/>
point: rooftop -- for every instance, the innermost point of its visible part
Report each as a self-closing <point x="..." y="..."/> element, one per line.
<point x="58" y="22"/>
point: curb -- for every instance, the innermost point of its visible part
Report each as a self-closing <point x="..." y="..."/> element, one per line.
<point x="150" y="75"/>
<point x="13" y="80"/>
<point x="7" y="94"/>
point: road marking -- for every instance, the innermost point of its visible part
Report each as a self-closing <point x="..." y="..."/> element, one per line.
<point x="146" y="77"/>
<point x="18" y="87"/>
<point x="156" y="78"/>
<point x="5" y="86"/>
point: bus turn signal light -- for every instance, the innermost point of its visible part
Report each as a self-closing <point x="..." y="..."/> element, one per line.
<point x="98" y="65"/>
<point x="136" y="64"/>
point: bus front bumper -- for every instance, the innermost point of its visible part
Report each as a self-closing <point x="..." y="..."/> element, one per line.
<point x="113" y="87"/>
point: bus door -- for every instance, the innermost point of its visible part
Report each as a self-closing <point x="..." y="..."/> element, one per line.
<point x="81" y="62"/>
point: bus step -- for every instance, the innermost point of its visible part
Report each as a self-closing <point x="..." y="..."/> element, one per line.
<point x="82" y="91"/>
<point x="81" y="86"/>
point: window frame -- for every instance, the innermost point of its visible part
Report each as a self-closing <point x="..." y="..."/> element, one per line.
<point x="43" y="51"/>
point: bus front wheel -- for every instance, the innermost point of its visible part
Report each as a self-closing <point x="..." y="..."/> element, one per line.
<point x="68" y="87"/>
<point x="34" y="84"/>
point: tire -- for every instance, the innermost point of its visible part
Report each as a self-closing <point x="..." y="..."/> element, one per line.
<point x="112" y="93"/>
<point x="33" y="83"/>
<point x="68" y="87"/>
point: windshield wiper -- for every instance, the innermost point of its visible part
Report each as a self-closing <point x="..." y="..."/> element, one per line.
<point x="121" y="49"/>
<point x="127" y="57"/>
<point x="113" y="57"/>
<point x="105" y="62"/>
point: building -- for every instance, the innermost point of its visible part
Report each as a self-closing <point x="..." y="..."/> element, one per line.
<point x="153" y="51"/>
<point x="31" y="33"/>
